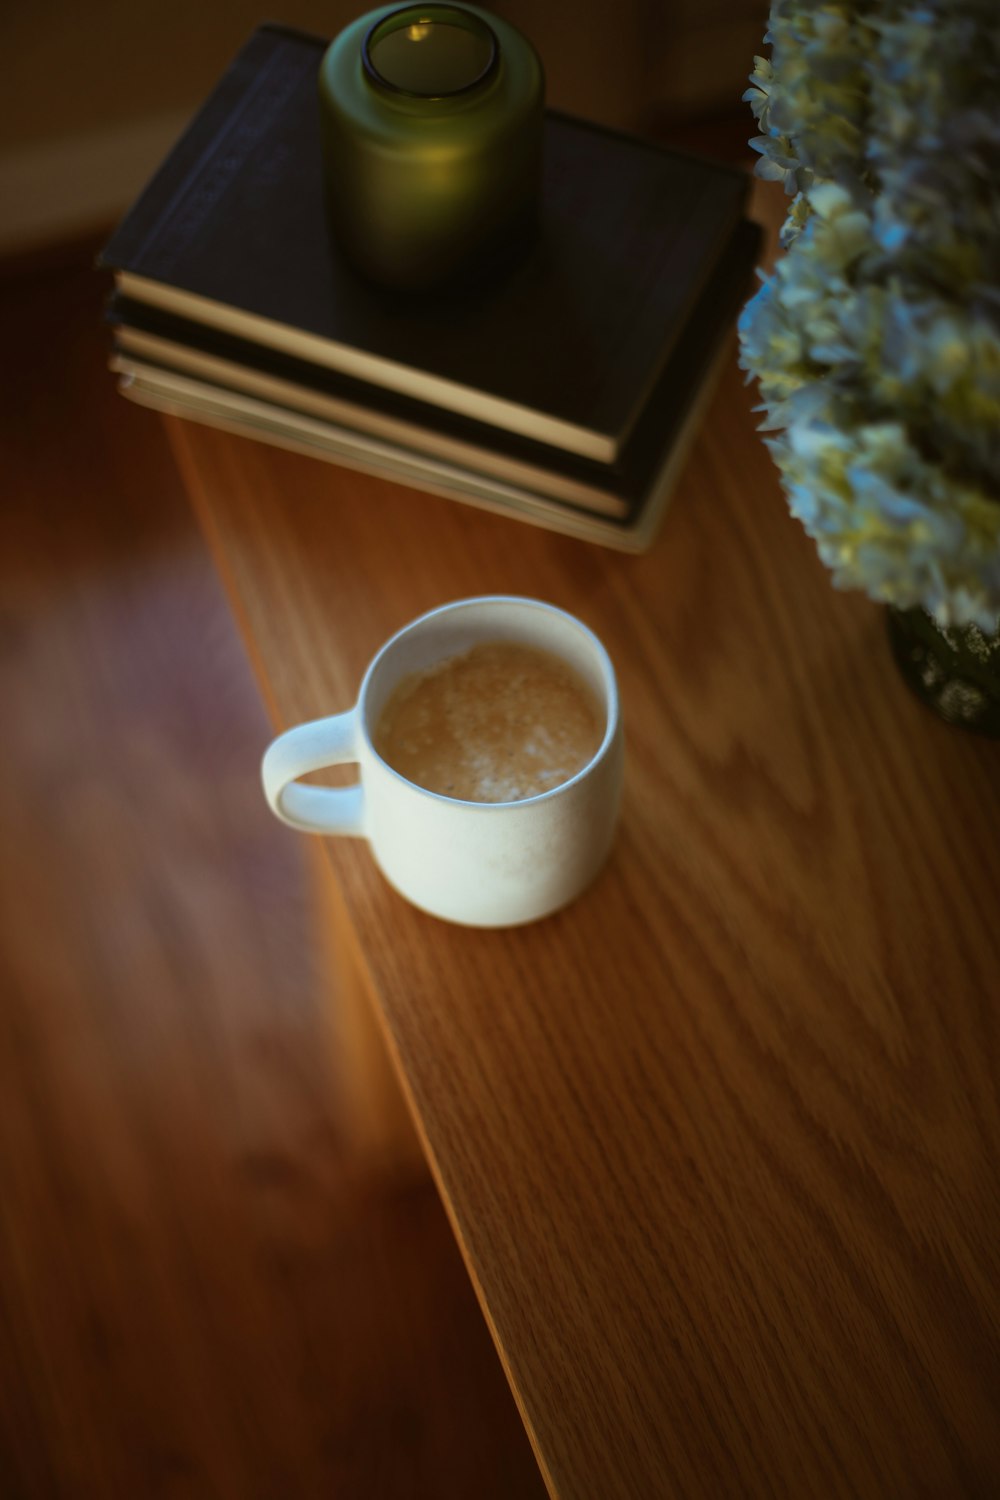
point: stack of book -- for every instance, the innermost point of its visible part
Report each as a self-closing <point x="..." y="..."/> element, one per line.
<point x="563" y="391"/>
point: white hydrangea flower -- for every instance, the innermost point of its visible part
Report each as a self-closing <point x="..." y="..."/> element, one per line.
<point x="876" y="342"/>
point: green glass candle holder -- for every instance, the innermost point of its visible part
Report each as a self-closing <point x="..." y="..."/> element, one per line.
<point x="432" y="122"/>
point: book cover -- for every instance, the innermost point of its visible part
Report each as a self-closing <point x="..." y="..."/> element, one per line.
<point x="564" y="348"/>
<point x="152" y="339"/>
<point x="631" y="502"/>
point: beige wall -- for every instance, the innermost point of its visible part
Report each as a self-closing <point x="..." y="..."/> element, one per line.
<point x="96" y="90"/>
<point x="83" y="65"/>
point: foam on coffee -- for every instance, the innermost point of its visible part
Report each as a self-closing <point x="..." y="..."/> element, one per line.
<point x="498" y="723"/>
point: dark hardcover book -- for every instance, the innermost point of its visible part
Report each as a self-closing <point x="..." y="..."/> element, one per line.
<point x="151" y="338"/>
<point x="618" y="504"/>
<point x="564" y="347"/>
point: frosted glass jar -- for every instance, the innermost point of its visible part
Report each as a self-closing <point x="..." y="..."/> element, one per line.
<point x="432" y="123"/>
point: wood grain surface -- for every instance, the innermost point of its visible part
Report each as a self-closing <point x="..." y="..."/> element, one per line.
<point x="719" y="1142"/>
<point x="205" y="1292"/>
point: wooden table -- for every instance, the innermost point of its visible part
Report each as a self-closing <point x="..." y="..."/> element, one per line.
<point x="719" y="1142"/>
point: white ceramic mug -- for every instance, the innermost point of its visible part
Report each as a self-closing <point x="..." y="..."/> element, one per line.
<point x="485" y="864"/>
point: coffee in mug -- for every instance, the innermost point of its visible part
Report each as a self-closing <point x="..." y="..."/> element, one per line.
<point x="489" y="747"/>
<point x="497" y="723"/>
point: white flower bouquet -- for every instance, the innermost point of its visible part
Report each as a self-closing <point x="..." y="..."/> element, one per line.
<point x="876" y="341"/>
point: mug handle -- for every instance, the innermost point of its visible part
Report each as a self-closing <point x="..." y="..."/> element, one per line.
<point x="312" y="747"/>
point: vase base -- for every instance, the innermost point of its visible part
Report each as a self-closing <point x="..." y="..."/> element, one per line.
<point x="954" y="671"/>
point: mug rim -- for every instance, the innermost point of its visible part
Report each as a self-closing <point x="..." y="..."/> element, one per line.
<point x="612" y="708"/>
